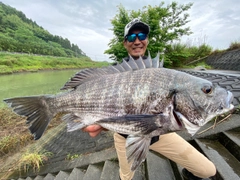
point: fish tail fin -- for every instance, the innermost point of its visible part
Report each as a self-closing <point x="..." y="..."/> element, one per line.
<point x="36" y="109"/>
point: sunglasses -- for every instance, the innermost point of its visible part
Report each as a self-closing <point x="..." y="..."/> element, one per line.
<point x="132" y="37"/>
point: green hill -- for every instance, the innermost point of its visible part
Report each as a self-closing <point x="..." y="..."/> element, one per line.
<point x="20" y="34"/>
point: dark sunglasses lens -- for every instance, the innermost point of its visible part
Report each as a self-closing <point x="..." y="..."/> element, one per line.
<point x="142" y="36"/>
<point x="131" y="37"/>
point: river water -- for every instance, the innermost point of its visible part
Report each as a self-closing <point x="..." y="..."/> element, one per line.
<point x="26" y="84"/>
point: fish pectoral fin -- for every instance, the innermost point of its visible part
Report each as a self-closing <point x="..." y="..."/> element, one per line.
<point x="137" y="148"/>
<point x="74" y="122"/>
<point x="132" y="124"/>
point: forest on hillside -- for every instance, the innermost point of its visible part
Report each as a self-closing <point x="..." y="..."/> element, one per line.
<point x="20" y="34"/>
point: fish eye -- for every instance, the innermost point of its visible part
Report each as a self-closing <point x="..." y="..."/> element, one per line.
<point x="207" y="89"/>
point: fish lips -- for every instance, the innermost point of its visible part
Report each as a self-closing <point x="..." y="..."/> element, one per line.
<point x="225" y="107"/>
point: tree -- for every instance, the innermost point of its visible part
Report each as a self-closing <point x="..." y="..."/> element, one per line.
<point x="20" y="34"/>
<point x="167" y="23"/>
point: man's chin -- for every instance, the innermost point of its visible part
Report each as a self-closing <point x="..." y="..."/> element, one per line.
<point x="137" y="53"/>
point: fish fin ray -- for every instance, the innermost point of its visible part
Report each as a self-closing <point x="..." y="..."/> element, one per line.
<point x="93" y="73"/>
<point x="148" y="61"/>
<point x="155" y="62"/>
<point x="143" y="123"/>
<point x="137" y="149"/>
<point x="132" y="63"/>
<point x="83" y="76"/>
<point x="140" y="64"/>
<point x="119" y="67"/>
<point x="36" y="110"/>
<point x="126" y="65"/>
<point x="74" y="122"/>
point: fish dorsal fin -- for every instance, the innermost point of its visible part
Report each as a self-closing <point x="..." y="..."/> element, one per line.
<point x="155" y="61"/>
<point x="118" y="67"/>
<point x="148" y="61"/>
<point x="86" y="75"/>
<point x="161" y="63"/>
<point x="140" y="63"/>
<point x="93" y="73"/>
<point x="126" y="66"/>
<point x="133" y="63"/>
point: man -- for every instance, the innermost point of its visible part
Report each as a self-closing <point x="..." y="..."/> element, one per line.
<point x="196" y="166"/>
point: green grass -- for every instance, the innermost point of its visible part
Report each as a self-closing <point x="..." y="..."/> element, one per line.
<point x="71" y="157"/>
<point x="33" y="160"/>
<point x="194" y="65"/>
<point x="11" y="126"/>
<point x="11" y="63"/>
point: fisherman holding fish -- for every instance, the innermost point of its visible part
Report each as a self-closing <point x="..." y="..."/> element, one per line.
<point x="171" y="145"/>
<point x="137" y="100"/>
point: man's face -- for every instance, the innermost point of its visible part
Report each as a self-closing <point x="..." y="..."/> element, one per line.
<point x="136" y="48"/>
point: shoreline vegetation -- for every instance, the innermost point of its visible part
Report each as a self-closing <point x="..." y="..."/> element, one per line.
<point x="17" y="63"/>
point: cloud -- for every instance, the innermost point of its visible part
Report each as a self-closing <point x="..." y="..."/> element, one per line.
<point x="216" y="21"/>
<point x="87" y="23"/>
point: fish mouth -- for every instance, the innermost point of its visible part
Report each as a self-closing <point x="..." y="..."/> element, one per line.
<point x="220" y="112"/>
<point x="225" y="107"/>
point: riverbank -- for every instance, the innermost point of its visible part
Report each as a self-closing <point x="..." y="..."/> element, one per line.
<point x="15" y="63"/>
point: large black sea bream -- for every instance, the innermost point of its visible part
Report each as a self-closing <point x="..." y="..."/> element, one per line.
<point x="135" y="97"/>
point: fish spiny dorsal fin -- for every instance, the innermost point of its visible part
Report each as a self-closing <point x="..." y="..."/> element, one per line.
<point x="149" y="55"/>
<point x="148" y="62"/>
<point x="155" y="61"/>
<point x="140" y="63"/>
<point x="161" y="63"/>
<point x="132" y="63"/>
<point x="118" y="68"/>
<point x="93" y="73"/>
<point x="125" y="65"/>
<point x="85" y="75"/>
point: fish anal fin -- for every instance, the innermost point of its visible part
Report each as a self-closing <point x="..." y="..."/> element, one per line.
<point x="137" y="148"/>
<point x="74" y="122"/>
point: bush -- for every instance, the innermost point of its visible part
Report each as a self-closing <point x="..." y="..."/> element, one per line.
<point x="234" y="45"/>
<point x="177" y="55"/>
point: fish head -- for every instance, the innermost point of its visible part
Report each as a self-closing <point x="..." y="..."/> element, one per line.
<point x="197" y="101"/>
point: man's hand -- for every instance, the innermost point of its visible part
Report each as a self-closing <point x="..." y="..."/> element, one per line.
<point x="93" y="130"/>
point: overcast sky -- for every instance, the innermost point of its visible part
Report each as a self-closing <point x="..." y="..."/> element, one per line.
<point x="87" y="22"/>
